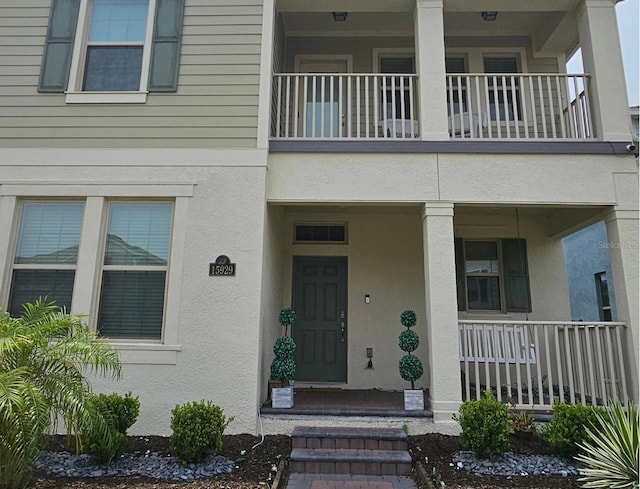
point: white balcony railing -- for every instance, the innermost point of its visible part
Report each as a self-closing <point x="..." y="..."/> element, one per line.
<point x="534" y="364"/>
<point x="385" y="106"/>
<point x="519" y="106"/>
<point x="345" y="106"/>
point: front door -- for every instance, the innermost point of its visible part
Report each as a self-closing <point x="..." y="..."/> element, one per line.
<point x="320" y="333"/>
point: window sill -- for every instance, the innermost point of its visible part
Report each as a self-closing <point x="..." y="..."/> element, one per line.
<point x="147" y="353"/>
<point x="106" y="97"/>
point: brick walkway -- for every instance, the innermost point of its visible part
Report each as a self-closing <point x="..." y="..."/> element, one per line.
<point x="338" y="481"/>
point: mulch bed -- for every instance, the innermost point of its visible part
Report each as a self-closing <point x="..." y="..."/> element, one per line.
<point x="254" y="470"/>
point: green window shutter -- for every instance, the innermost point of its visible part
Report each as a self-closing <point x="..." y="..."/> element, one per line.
<point x="165" y="53"/>
<point x="56" y="60"/>
<point x="516" y="275"/>
<point x="460" y="275"/>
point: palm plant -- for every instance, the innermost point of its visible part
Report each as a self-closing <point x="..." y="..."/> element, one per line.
<point x="611" y="450"/>
<point x="44" y="357"/>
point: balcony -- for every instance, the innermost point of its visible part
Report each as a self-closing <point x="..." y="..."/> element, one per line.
<point x="533" y="364"/>
<point x="357" y="106"/>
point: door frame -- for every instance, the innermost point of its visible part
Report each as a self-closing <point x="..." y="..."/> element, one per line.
<point x="294" y="258"/>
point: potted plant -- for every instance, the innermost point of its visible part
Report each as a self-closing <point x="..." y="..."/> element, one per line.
<point x="283" y="367"/>
<point x="522" y="424"/>
<point x="410" y="365"/>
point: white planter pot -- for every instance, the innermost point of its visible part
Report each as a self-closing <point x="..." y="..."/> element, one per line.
<point x="282" y="397"/>
<point x="413" y="399"/>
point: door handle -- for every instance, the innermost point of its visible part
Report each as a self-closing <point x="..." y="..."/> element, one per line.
<point x="343" y="326"/>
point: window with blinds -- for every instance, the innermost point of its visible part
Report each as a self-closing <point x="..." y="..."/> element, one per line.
<point x="46" y="253"/>
<point x="134" y="270"/>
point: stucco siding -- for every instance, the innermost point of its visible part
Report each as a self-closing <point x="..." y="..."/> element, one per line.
<point x="215" y="106"/>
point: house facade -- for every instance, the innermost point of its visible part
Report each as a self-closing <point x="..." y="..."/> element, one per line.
<point x="180" y="170"/>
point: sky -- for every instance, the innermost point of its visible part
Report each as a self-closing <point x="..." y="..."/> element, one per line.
<point x="628" y="19"/>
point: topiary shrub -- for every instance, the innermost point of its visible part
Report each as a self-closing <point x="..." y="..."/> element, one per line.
<point x="410" y="366"/>
<point x="120" y="413"/>
<point x="197" y="430"/>
<point x="567" y="428"/>
<point x="283" y="367"/>
<point x="485" y="426"/>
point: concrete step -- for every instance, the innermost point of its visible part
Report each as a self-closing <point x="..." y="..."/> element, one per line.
<point x="361" y="451"/>
<point x="350" y="461"/>
<point x="349" y="438"/>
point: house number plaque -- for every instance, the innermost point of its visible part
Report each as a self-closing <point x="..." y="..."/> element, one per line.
<point x="222" y="267"/>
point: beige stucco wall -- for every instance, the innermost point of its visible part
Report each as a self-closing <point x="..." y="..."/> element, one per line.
<point x="212" y="342"/>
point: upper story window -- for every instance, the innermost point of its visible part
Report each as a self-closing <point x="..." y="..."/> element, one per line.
<point x="604" y="302"/>
<point x="46" y="253"/>
<point x="101" y="51"/>
<point x="396" y="95"/>
<point x="503" y="90"/>
<point x="116" y="45"/>
<point x="456" y="86"/>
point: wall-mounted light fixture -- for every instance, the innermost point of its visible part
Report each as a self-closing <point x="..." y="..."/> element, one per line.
<point x="489" y="16"/>
<point x="340" y="16"/>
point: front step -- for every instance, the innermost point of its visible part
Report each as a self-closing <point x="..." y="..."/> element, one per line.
<point x="360" y="451"/>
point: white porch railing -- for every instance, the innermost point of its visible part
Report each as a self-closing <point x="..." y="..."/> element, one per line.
<point x="533" y="364"/>
<point x="345" y="106"/>
<point x="519" y="106"/>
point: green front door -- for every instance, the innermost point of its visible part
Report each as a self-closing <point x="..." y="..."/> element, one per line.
<point x="320" y="333"/>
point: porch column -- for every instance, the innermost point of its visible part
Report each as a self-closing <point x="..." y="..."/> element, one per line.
<point x="602" y="59"/>
<point x="442" y="311"/>
<point x="432" y="89"/>
<point x="622" y="230"/>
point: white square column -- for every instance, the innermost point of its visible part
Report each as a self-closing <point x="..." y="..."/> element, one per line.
<point x="602" y="59"/>
<point x="429" y="39"/>
<point x="622" y="231"/>
<point x="445" y="392"/>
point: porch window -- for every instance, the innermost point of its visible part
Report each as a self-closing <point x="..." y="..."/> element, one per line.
<point x="604" y="302"/>
<point x="504" y="92"/>
<point x="492" y="275"/>
<point x="396" y="97"/>
<point x="456" y="94"/>
<point x="321" y="233"/>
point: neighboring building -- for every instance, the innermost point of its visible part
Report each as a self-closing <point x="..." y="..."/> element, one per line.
<point x="591" y="293"/>
<point x="413" y="154"/>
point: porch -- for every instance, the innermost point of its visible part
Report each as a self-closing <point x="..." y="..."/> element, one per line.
<point x="356" y="106"/>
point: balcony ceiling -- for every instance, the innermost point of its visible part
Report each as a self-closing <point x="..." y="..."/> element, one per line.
<point x="551" y="31"/>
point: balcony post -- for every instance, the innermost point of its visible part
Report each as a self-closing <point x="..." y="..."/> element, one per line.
<point x="622" y="231"/>
<point x="429" y="36"/>
<point x="602" y="59"/>
<point x="442" y="312"/>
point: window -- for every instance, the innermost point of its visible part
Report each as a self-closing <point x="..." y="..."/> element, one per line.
<point x="46" y="253"/>
<point x="504" y="92"/>
<point x="397" y="97"/>
<point x="135" y="270"/>
<point x="604" y="302"/>
<point x="492" y="275"/>
<point x="321" y="233"/>
<point x="456" y="86"/>
<point x="117" y="47"/>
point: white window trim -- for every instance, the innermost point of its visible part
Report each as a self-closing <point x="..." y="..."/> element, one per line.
<point x="74" y="93"/>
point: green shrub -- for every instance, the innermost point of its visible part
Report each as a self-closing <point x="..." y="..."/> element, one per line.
<point x="611" y="450"/>
<point x="410" y="366"/>
<point x="197" y="430"/>
<point x="120" y="412"/>
<point x="485" y="426"/>
<point x="566" y="430"/>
